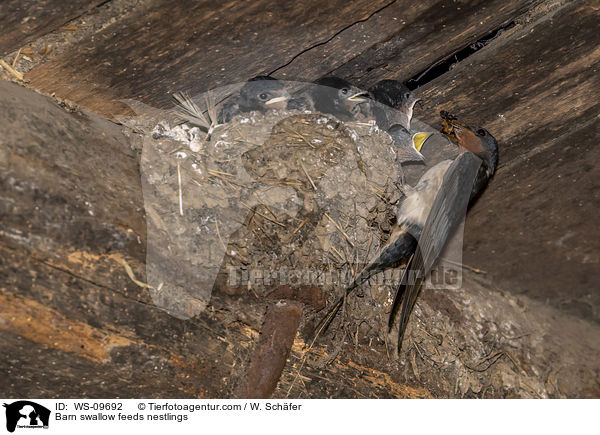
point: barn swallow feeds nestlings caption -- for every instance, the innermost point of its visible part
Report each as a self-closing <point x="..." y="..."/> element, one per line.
<point x="428" y="215"/>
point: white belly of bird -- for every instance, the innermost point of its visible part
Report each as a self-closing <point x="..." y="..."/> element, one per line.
<point x="419" y="199"/>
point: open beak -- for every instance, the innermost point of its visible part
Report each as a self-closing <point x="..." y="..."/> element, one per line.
<point x="419" y="139"/>
<point x="360" y="96"/>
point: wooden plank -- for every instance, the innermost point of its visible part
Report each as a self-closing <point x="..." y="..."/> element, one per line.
<point x="536" y="89"/>
<point x="119" y="345"/>
<point x="535" y="230"/>
<point x="24" y="20"/>
<point x="415" y="38"/>
<point x="319" y="40"/>
<point x="71" y="210"/>
<point x="192" y="46"/>
<point x="531" y="85"/>
<point x="353" y="41"/>
<point x="57" y="267"/>
<point x="37" y="370"/>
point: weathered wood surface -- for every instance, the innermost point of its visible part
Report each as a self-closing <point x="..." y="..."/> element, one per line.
<point x="536" y="88"/>
<point x="24" y="20"/>
<point x="422" y="37"/>
<point x="190" y="45"/>
<point x="72" y="211"/>
<point x="302" y="42"/>
<point x="65" y="296"/>
<point x="536" y="84"/>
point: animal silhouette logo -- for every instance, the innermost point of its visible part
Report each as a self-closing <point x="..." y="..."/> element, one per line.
<point x="26" y="414"/>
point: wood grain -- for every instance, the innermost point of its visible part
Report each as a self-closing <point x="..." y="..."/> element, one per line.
<point x="202" y="45"/>
<point x="24" y="20"/>
<point x="422" y="37"/>
<point x="70" y="215"/>
<point x="536" y="89"/>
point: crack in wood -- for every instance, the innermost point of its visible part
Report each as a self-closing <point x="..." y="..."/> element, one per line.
<point x="339" y="32"/>
<point x="442" y="66"/>
<point x="89" y="281"/>
<point x="526" y="20"/>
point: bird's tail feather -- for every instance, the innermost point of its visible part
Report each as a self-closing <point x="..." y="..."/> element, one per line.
<point x="399" y="293"/>
<point x="394" y="252"/>
<point x="407" y="293"/>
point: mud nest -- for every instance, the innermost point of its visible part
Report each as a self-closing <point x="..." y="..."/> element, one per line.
<point x="284" y="198"/>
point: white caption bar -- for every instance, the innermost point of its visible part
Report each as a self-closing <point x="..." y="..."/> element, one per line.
<point x="283" y="417"/>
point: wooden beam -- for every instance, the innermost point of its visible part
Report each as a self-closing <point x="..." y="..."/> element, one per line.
<point x="536" y="89"/>
<point x="25" y="20"/>
<point x="424" y="36"/>
<point x="71" y="210"/>
<point x="190" y="45"/>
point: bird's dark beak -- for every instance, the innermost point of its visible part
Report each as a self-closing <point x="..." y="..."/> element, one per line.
<point x="279" y="101"/>
<point x="459" y="133"/>
<point x="360" y="96"/>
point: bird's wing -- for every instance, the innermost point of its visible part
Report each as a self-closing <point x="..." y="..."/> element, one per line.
<point x="448" y="210"/>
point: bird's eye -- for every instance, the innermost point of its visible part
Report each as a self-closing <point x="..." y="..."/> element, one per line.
<point x="481" y="132"/>
<point x="263" y="96"/>
<point x="407" y="95"/>
<point x="344" y="91"/>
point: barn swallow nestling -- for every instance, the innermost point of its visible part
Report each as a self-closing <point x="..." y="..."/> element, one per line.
<point x="333" y="96"/>
<point x="428" y="215"/>
<point x="408" y="144"/>
<point x="393" y="104"/>
<point x="260" y="93"/>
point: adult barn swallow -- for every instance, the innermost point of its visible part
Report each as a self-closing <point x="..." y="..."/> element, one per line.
<point x="428" y="214"/>
<point x="260" y="93"/>
<point x="410" y="219"/>
<point x="463" y="181"/>
<point x="331" y="95"/>
<point x="394" y="104"/>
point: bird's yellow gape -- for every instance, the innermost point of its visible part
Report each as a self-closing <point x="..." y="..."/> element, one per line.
<point x="419" y="139"/>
